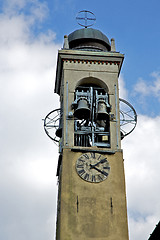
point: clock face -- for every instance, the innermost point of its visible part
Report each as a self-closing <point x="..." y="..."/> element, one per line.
<point x="92" y="167"/>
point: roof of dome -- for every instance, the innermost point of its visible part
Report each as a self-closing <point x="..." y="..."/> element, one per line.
<point x="89" y="34"/>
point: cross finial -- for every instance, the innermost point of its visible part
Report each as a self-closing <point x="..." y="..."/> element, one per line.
<point x="85" y="18"/>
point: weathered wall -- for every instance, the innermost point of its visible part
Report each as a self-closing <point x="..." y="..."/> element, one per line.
<point x="101" y="213"/>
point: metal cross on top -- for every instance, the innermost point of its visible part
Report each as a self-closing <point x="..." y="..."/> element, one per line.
<point x="85" y="18"/>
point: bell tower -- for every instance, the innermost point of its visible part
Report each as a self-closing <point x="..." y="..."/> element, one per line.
<point x="91" y="195"/>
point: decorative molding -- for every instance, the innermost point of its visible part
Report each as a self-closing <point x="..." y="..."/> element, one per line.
<point x="91" y="62"/>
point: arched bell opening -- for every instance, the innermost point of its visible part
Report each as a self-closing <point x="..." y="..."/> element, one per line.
<point x="92" y="82"/>
<point x="91" y="114"/>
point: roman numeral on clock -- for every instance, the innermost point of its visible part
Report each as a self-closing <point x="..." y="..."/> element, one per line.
<point x="86" y="177"/>
<point x="80" y="160"/>
<point x="105" y="173"/>
<point x="81" y="172"/>
<point x="80" y="165"/>
<point x="86" y="156"/>
<point x="106" y="167"/>
<point x="103" y="160"/>
<point x="100" y="178"/>
<point x="92" y="155"/>
<point x="93" y="178"/>
<point x="99" y="157"/>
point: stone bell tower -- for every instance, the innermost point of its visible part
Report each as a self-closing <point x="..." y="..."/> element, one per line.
<point x="91" y="195"/>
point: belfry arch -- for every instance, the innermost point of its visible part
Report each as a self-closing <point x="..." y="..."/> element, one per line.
<point x="92" y="81"/>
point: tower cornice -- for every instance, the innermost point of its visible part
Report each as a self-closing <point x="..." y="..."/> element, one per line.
<point x="87" y="57"/>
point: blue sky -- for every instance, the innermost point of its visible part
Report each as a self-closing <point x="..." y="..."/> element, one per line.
<point x="134" y="25"/>
<point x="31" y="33"/>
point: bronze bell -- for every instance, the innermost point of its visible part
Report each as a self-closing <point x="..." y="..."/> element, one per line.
<point x="102" y="113"/>
<point x="83" y="111"/>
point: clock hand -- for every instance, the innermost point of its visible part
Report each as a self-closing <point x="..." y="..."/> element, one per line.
<point x="101" y="161"/>
<point x="92" y="166"/>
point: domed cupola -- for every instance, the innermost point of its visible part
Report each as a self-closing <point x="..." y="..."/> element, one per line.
<point x="88" y="39"/>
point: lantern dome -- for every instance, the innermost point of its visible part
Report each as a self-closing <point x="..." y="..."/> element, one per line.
<point x="88" y="39"/>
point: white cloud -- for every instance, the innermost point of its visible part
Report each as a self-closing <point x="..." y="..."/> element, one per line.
<point x="13" y="5"/>
<point x="142" y="164"/>
<point x="28" y="158"/>
<point x="142" y="88"/>
<point x="39" y="10"/>
<point x="142" y="228"/>
<point x="35" y="9"/>
<point x="146" y="88"/>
